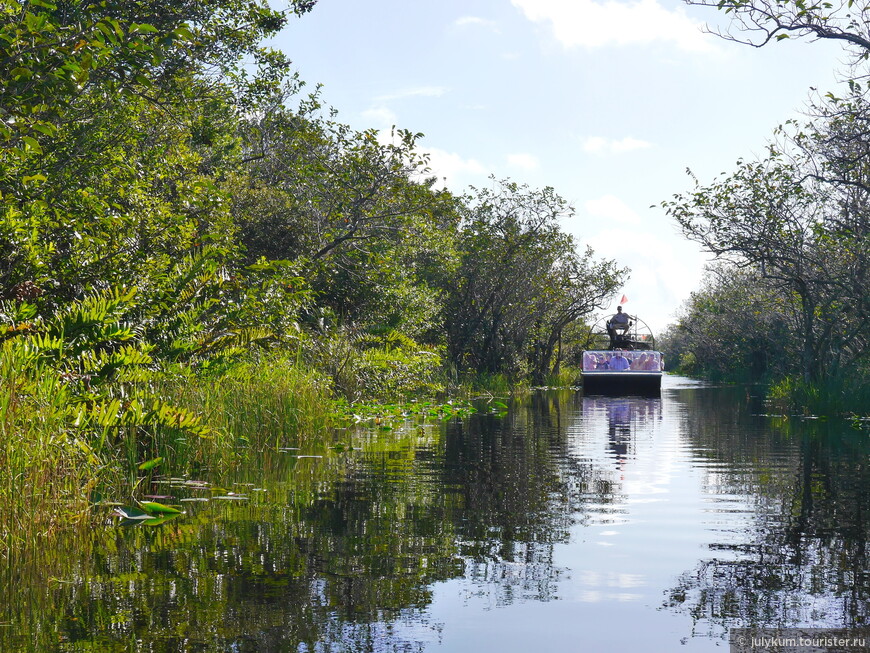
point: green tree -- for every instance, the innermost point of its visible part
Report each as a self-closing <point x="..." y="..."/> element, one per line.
<point x="115" y="117"/>
<point x="798" y="219"/>
<point x="738" y="327"/>
<point x="758" y="22"/>
<point x="357" y="210"/>
<point x="578" y="286"/>
<point x="519" y="282"/>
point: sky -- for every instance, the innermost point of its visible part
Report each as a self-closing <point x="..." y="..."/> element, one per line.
<point x="607" y="101"/>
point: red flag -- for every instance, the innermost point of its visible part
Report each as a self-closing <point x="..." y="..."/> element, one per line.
<point x="623" y="300"/>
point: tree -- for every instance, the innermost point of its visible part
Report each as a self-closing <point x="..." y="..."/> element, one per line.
<point x="112" y="116"/>
<point x="519" y="282"/>
<point x="801" y="216"/>
<point x="738" y="326"/>
<point x="799" y="219"/>
<point x="355" y="207"/>
<point x="761" y="21"/>
<point x="580" y="284"/>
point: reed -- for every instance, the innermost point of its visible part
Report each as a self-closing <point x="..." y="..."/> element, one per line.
<point x="46" y="472"/>
<point x="838" y="395"/>
<point x="264" y="402"/>
<point x="54" y="464"/>
<point x="566" y="377"/>
<point x="65" y="447"/>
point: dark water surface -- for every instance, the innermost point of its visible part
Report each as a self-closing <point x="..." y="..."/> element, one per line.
<point x="570" y="524"/>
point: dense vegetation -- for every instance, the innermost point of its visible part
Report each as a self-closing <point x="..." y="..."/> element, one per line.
<point x="181" y="226"/>
<point x="789" y="301"/>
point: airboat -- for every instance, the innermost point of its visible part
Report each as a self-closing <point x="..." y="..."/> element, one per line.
<point x="622" y="359"/>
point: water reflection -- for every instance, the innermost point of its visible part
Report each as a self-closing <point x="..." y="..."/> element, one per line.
<point x="558" y="524"/>
<point x="803" y="558"/>
<point x="625" y="417"/>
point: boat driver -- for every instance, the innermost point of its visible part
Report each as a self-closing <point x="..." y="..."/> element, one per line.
<point x="619" y="323"/>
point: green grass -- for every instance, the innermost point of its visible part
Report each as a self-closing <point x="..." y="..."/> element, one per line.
<point x="838" y="395"/>
<point x="263" y="402"/>
<point x="46" y="471"/>
<point x="566" y="378"/>
<point x="63" y="448"/>
<point x="56" y="459"/>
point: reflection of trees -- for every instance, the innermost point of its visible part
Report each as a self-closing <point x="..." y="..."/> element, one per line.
<point x="804" y="555"/>
<point x="322" y="557"/>
<point x="523" y="487"/>
<point x="514" y="497"/>
<point x="340" y="552"/>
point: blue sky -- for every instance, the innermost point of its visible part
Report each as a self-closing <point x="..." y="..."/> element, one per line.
<point x="606" y="101"/>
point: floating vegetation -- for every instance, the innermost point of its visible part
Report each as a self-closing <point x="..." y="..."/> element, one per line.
<point x="150" y="464"/>
<point x="384" y="414"/>
<point x="155" y="507"/>
<point x="149" y="513"/>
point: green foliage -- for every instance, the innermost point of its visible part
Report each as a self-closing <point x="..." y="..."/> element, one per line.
<point x="798" y="220"/>
<point x="100" y="362"/>
<point x="356" y="209"/>
<point x="390" y="366"/>
<point x="184" y="255"/>
<point x="519" y="282"/>
<point x="841" y="394"/>
<point x="264" y="400"/>
<point x="736" y="327"/>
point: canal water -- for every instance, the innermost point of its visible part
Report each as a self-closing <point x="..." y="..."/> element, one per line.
<point x="566" y="523"/>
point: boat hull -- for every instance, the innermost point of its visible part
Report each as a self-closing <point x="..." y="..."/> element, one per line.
<point x="622" y="383"/>
<point x="622" y="372"/>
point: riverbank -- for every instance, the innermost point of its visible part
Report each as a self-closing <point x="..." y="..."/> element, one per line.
<point x="492" y="527"/>
<point x="838" y="395"/>
<point x="69" y="446"/>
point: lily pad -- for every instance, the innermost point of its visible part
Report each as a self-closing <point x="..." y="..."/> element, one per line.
<point x="150" y="464"/>
<point x="133" y="514"/>
<point x="162" y="519"/>
<point x="155" y="507"/>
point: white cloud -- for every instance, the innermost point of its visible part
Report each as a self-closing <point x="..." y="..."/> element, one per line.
<point x="599" y="145"/>
<point x="453" y="170"/>
<point x="523" y="160"/>
<point x="593" y="24"/>
<point x="415" y="91"/>
<point x="380" y="117"/>
<point x="475" y="21"/>
<point x="613" y="209"/>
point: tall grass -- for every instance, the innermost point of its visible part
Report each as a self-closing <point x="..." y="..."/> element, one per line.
<point x="266" y="401"/>
<point x="54" y="463"/>
<point x="67" y="441"/>
<point x="840" y="394"/>
<point x="567" y="377"/>
<point x="46" y="472"/>
<point x="482" y="382"/>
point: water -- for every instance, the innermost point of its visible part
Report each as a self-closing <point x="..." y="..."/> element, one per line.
<point x="570" y="524"/>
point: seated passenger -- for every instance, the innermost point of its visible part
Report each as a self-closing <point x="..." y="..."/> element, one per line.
<point x="619" y="362"/>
